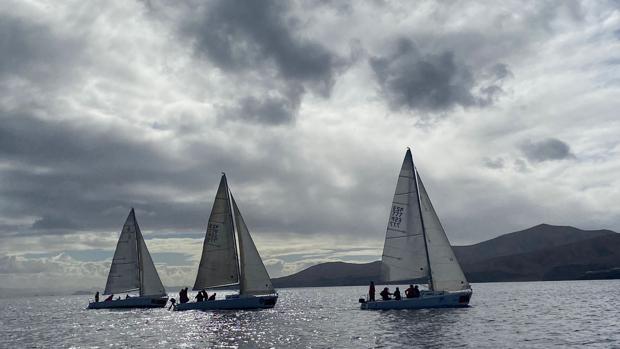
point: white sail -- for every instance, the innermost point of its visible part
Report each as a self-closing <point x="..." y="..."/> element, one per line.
<point x="447" y="274"/>
<point x="150" y="283"/>
<point x="404" y="255"/>
<point x="218" y="264"/>
<point x="254" y="277"/>
<point x="125" y="271"/>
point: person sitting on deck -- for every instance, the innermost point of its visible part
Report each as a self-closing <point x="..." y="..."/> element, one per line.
<point x="385" y="294"/>
<point x="409" y="292"/>
<point x="416" y="292"/>
<point x="212" y="298"/>
<point x="109" y="298"/>
<point x="199" y="297"/>
<point x="127" y="296"/>
<point x="397" y="294"/>
<point x="172" y="303"/>
<point x="183" y="296"/>
<point x="97" y="296"/>
<point x="371" y="292"/>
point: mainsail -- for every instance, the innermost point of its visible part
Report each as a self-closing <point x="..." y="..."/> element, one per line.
<point x="124" y="272"/>
<point x="446" y="271"/>
<point x="132" y="266"/>
<point x="404" y="255"/>
<point x="254" y="277"/>
<point x="218" y="264"/>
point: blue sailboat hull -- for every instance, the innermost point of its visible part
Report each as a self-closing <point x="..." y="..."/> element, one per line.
<point x="133" y="302"/>
<point x="234" y="302"/>
<point x="428" y="299"/>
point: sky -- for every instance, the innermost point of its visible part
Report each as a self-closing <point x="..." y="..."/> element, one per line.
<point x="510" y="109"/>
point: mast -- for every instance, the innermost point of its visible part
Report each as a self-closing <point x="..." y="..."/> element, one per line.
<point x="235" y="232"/>
<point x="140" y="267"/>
<point x="428" y="261"/>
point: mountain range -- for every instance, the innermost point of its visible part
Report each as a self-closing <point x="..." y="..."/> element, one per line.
<point x="542" y="252"/>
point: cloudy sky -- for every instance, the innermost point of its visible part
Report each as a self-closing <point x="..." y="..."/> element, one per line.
<point x="511" y="111"/>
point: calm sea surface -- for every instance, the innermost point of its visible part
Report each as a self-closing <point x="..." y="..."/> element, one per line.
<point x="518" y="315"/>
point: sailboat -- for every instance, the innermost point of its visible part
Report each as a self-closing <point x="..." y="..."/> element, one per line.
<point x="132" y="270"/>
<point x="416" y="247"/>
<point x="222" y="264"/>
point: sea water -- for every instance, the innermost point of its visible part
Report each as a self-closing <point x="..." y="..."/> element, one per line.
<point x="501" y="315"/>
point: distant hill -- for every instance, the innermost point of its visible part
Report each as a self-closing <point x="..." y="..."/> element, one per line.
<point x="543" y="252"/>
<point x="540" y="237"/>
<point x="565" y="262"/>
<point x="332" y="274"/>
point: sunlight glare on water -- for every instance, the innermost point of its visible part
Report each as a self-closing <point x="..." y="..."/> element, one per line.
<point x="528" y="314"/>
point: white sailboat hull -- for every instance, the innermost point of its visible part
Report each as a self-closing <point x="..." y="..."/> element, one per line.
<point x="133" y="302"/>
<point x="232" y="303"/>
<point x="456" y="299"/>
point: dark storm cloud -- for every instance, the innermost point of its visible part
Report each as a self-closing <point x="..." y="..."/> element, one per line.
<point x="69" y="146"/>
<point x="78" y="176"/>
<point x="546" y="150"/>
<point x="259" y="36"/>
<point x="421" y="81"/>
<point x="33" y="50"/>
<point x="239" y="35"/>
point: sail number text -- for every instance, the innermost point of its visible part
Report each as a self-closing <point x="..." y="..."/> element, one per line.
<point x="396" y="216"/>
<point x="212" y="232"/>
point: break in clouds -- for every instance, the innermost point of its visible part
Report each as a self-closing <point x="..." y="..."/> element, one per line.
<point x="511" y="112"/>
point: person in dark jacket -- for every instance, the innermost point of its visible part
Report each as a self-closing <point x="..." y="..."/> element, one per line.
<point x="110" y="297"/>
<point x="199" y="297"/>
<point x="397" y="294"/>
<point x="183" y="298"/>
<point x="385" y="294"/>
<point x="371" y="292"/>
<point x="212" y="298"/>
<point x="97" y="296"/>
<point x="416" y="292"/>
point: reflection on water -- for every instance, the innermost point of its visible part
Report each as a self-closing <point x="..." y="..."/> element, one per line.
<point x="536" y="314"/>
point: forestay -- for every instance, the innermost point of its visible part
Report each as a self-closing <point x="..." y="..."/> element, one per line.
<point x="404" y="255"/>
<point x="218" y="264"/>
<point x="254" y="277"/>
<point x="447" y="274"/>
